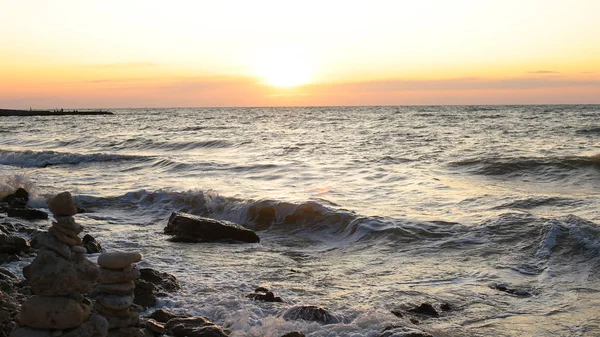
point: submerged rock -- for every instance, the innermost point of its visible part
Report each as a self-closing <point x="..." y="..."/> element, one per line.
<point x="425" y="309"/>
<point x="198" y="326"/>
<point x="294" y="334"/>
<point x="27" y="213"/>
<point x="190" y="228"/>
<point x="400" y="331"/>
<point x="265" y="297"/>
<point x="310" y="313"/>
<point x="510" y="290"/>
<point x="91" y="245"/>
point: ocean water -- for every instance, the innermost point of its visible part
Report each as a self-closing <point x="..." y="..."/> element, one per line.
<point x="362" y="210"/>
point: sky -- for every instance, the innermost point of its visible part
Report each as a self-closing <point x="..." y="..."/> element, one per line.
<point x="129" y="53"/>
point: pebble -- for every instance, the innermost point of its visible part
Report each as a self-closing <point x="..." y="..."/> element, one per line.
<point x="78" y="249"/>
<point x="108" y="276"/>
<point x="118" y="260"/>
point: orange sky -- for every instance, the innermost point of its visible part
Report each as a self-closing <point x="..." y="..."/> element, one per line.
<point x="77" y="54"/>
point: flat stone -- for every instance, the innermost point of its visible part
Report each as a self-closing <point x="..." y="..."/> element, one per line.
<point x="52" y="313"/>
<point x="122" y="322"/>
<point x="63" y="238"/>
<point x="27" y="213"/>
<point x="52" y="275"/>
<point x="113" y="313"/>
<point x="108" y="276"/>
<point x="65" y="231"/>
<point x="117" y="288"/>
<point x="78" y="249"/>
<point x="76" y="228"/>
<point x="163" y="315"/>
<point x="67" y="222"/>
<point x="62" y="205"/>
<point x="118" y="260"/>
<point x="115" y="302"/>
<point x="50" y="242"/>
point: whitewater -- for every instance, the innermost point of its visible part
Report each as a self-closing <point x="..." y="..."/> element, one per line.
<point x="363" y="210"/>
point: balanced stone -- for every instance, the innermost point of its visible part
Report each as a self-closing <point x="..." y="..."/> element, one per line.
<point x="52" y="275"/>
<point x="68" y="222"/>
<point x="114" y="313"/>
<point x="118" y="260"/>
<point x="63" y="238"/>
<point x="78" y="249"/>
<point x="116" y="302"/>
<point x="62" y="205"/>
<point x="108" y="276"/>
<point x="65" y="231"/>
<point x="48" y="241"/>
<point x="121" y="322"/>
<point x="117" y="288"/>
<point x="52" y="313"/>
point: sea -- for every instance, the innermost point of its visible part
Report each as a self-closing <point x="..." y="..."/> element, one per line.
<point x="364" y="211"/>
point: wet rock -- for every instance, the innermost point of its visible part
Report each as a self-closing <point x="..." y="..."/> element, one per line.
<point x="510" y="290"/>
<point x="190" y="228"/>
<point x="294" y="334"/>
<point x="261" y="290"/>
<point x="9" y="310"/>
<point x="198" y="326"/>
<point x="118" y="260"/>
<point x="391" y="331"/>
<point x="12" y="244"/>
<point x="145" y="293"/>
<point x="164" y="281"/>
<point x="8" y="282"/>
<point x="266" y="297"/>
<point x="91" y="245"/>
<point x="52" y="313"/>
<point x="425" y="309"/>
<point x="20" y="193"/>
<point x="445" y="307"/>
<point x="310" y="313"/>
<point x="18" y="203"/>
<point x="53" y="275"/>
<point x="155" y="327"/>
<point x="163" y="315"/>
<point x="62" y="205"/>
<point x="27" y="213"/>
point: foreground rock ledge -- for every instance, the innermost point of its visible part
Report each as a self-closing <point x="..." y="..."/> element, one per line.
<point x="190" y="228"/>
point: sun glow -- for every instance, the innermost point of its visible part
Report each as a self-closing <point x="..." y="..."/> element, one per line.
<point x="284" y="67"/>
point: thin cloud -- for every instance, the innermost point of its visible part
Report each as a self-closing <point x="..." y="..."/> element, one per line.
<point x="122" y="65"/>
<point x="543" y="72"/>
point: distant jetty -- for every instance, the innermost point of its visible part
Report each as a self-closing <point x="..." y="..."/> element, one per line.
<point x="61" y="112"/>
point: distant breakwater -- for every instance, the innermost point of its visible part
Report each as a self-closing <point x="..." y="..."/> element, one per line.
<point x="9" y="112"/>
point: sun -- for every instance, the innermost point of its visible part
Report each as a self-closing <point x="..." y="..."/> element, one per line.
<point x="284" y="67"/>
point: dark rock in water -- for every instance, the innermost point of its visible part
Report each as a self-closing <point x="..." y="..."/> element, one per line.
<point x="27" y="213"/>
<point x="9" y="310"/>
<point x="261" y="290"/>
<point x="163" y="315"/>
<point x="18" y="203"/>
<point x="164" y="281"/>
<point x="145" y="293"/>
<point x="7" y="258"/>
<point x="198" y="326"/>
<point x="20" y="193"/>
<point x="513" y="291"/>
<point x="389" y="331"/>
<point x="398" y="313"/>
<point x="8" y="281"/>
<point x="266" y="297"/>
<point x="310" y="313"/>
<point x="190" y="228"/>
<point x="425" y="309"/>
<point x="294" y="334"/>
<point x="91" y="245"/>
<point x="80" y="209"/>
<point x="11" y="244"/>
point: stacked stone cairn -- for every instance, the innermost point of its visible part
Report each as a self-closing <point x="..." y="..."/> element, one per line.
<point x="114" y="294"/>
<point x="58" y="277"/>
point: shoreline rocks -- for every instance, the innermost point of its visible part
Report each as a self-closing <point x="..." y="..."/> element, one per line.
<point x="191" y="228"/>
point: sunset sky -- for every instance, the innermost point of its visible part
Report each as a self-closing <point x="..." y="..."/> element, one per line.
<point x="78" y="54"/>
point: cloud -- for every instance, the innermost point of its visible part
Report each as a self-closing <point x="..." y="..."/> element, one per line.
<point x="541" y="72"/>
<point x="121" y="65"/>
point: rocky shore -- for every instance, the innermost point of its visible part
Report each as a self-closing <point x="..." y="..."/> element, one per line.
<point x="63" y="293"/>
<point x="61" y="112"/>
